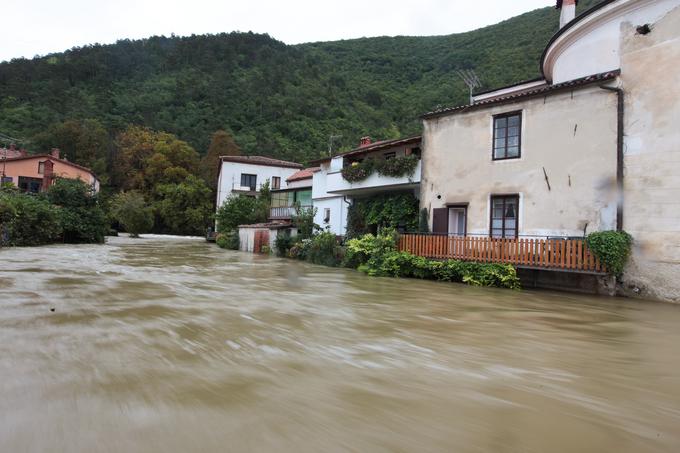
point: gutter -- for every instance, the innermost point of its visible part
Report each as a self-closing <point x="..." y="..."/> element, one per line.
<point x="620" y="111"/>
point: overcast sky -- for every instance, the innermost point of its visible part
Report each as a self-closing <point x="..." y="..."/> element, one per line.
<point x="38" y="27"/>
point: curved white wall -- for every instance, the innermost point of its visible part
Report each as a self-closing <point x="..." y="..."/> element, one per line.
<point x="592" y="45"/>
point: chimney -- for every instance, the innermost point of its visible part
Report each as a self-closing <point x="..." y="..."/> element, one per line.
<point x="12" y="147"/>
<point x="48" y="175"/>
<point x="568" y="11"/>
<point x="55" y="153"/>
<point x="365" y="141"/>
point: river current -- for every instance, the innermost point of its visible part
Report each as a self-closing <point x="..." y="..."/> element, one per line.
<point x="173" y="345"/>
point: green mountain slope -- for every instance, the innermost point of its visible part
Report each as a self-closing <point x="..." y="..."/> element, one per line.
<point x="277" y="100"/>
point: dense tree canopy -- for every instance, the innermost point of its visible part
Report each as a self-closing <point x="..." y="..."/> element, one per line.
<point x="221" y="144"/>
<point x="277" y="100"/>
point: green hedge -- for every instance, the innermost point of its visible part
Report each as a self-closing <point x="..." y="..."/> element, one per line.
<point x="322" y="248"/>
<point x="378" y="256"/>
<point x="228" y="240"/>
<point x="612" y="248"/>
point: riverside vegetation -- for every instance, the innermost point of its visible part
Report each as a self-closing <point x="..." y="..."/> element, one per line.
<point x="378" y="255"/>
<point x="69" y="212"/>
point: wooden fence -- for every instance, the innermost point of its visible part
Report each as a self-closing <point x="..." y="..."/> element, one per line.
<point x="568" y="254"/>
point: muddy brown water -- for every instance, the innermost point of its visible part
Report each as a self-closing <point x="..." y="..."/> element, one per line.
<point x="172" y="345"/>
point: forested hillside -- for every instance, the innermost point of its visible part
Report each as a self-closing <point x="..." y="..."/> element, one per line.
<point x="275" y="99"/>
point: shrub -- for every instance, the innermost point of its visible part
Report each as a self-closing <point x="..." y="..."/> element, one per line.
<point x="28" y="220"/>
<point x="612" y="248"/>
<point x="378" y="256"/>
<point x="358" y="171"/>
<point x="397" y="167"/>
<point x="360" y="251"/>
<point x="304" y="221"/>
<point x="324" y="249"/>
<point x="229" y="240"/>
<point x="423" y="226"/>
<point x="131" y="211"/>
<point x="283" y="244"/>
<point x="82" y="218"/>
<point x="300" y="249"/>
<point x="239" y="210"/>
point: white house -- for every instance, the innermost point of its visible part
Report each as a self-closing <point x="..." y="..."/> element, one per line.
<point x="332" y="194"/>
<point x="592" y="145"/>
<point x="246" y="174"/>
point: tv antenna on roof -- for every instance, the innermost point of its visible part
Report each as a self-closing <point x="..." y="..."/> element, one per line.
<point x="470" y="79"/>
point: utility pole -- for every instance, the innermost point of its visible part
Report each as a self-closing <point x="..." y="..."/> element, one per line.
<point x="470" y="79"/>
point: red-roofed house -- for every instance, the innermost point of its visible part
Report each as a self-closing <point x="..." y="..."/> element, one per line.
<point x="36" y="172"/>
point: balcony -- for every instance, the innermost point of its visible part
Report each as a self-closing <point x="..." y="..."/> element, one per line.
<point x="336" y="184"/>
<point x="284" y="212"/>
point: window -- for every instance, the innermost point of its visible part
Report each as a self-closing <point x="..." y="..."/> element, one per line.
<point x="41" y="168"/>
<point x="276" y="182"/>
<point x="507" y="140"/>
<point x="304" y="198"/>
<point x="504" y="216"/>
<point x="280" y="199"/>
<point x="327" y="215"/>
<point x="391" y="155"/>
<point x="249" y="181"/>
<point x="32" y="185"/>
<point x="414" y="151"/>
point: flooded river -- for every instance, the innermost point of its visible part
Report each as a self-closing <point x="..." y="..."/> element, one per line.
<point x="172" y="345"/>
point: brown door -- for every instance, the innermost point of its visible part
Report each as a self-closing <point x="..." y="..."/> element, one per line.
<point x="440" y="221"/>
<point x="261" y="239"/>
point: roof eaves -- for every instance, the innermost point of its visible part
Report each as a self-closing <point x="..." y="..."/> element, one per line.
<point x="550" y="89"/>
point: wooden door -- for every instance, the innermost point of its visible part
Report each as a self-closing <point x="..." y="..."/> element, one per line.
<point x="261" y="239"/>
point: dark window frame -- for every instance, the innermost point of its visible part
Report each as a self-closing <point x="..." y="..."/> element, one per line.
<point x="30" y="185"/>
<point x="276" y="182"/>
<point x="390" y="155"/>
<point x="41" y="167"/>
<point x="327" y="215"/>
<point x="518" y="113"/>
<point x="244" y="179"/>
<point x="491" y="218"/>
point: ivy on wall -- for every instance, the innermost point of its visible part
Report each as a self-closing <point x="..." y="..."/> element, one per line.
<point x="368" y="215"/>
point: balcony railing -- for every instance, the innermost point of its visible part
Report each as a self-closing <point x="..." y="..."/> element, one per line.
<point x="559" y="254"/>
<point x="284" y="212"/>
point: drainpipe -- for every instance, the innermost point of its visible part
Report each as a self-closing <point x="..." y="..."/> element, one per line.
<point x="620" y="108"/>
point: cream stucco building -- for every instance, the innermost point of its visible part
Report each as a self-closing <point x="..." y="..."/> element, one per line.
<point x="593" y="145"/>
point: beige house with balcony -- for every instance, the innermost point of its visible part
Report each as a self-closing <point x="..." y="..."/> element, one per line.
<point x="592" y="145"/>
